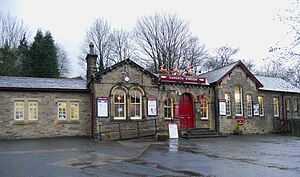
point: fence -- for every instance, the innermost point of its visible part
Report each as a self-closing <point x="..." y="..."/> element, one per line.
<point x="127" y="130"/>
<point x="295" y="126"/>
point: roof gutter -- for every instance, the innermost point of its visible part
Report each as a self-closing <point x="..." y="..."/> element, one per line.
<point x="43" y="89"/>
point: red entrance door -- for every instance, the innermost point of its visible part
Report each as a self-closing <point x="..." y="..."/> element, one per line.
<point x="186" y="111"/>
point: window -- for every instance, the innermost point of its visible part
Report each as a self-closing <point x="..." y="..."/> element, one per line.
<point x="204" y="108"/>
<point x="261" y="105"/>
<point x="295" y="105"/>
<point x="168" y="108"/>
<point x="227" y="100"/>
<point x="74" y="106"/>
<point x="119" y="104"/>
<point x="62" y="110"/>
<point x="249" y="105"/>
<point x="288" y="104"/>
<point x="127" y="104"/>
<point x="19" y="110"/>
<point x="32" y="110"/>
<point x="135" y="105"/>
<point x="238" y="101"/>
<point x="25" y="109"/>
<point x="67" y="110"/>
<point x="276" y="106"/>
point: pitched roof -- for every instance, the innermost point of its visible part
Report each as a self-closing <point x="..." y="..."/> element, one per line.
<point x="217" y="75"/>
<point x="32" y="83"/>
<point x="276" y="84"/>
<point x="123" y="62"/>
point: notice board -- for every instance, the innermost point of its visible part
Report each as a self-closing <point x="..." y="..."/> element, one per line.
<point x="152" y="106"/>
<point x="173" y="130"/>
<point x="102" y="107"/>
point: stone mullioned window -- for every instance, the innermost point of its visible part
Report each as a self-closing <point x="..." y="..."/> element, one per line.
<point x="67" y="110"/>
<point x="25" y="110"/>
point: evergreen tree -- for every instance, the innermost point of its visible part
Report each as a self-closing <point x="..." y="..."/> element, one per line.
<point x="51" y="60"/>
<point x="7" y="61"/>
<point x="22" y="55"/>
<point x="42" y="57"/>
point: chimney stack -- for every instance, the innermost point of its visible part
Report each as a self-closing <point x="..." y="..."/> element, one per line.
<point x="91" y="62"/>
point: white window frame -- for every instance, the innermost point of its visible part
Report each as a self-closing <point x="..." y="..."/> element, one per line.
<point x="168" y="107"/>
<point x="238" y="100"/>
<point x="295" y="105"/>
<point x="74" y="110"/>
<point x="228" y="106"/>
<point x="249" y="105"/>
<point x="261" y="105"/>
<point x="17" y="108"/>
<point x="276" y="106"/>
<point x="204" y="102"/>
<point x="136" y="94"/>
<point x="117" y="105"/>
<point x="288" y="104"/>
<point x="62" y="107"/>
<point x="34" y="108"/>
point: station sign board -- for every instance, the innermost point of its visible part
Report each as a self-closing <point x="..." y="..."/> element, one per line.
<point x="182" y="79"/>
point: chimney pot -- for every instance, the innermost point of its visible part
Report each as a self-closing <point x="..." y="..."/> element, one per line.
<point x="91" y="48"/>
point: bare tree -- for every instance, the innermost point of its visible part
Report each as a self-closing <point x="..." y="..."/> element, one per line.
<point x="250" y="65"/>
<point x="121" y="46"/>
<point x="63" y="61"/>
<point x="222" y="57"/>
<point x="286" y="58"/>
<point x="99" y="34"/>
<point x="164" y="39"/>
<point x="112" y="45"/>
<point x="12" y="31"/>
<point x="291" y="17"/>
<point x="275" y="68"/>
<point x="296" y="75"/>
<point x="194" y="54"/>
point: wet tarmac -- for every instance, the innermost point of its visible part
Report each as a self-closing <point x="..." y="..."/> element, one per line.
<point x="234" y="156"/>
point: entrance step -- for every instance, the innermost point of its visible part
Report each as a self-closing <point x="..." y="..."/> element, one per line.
<point x="201" y="133"/>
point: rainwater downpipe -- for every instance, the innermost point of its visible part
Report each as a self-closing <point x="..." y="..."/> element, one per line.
<point x="217" y="122"/>
<point x="92" y="114"/>
<point x="283" y="105"/>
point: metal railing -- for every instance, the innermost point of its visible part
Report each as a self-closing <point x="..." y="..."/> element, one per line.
<point x="128" y="130"/>
<point x="282" y="125"/>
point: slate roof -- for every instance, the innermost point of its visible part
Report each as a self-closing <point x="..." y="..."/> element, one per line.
<point x="276" y="84"/>
<point x="8" y="82"/>
<point x="215" y="75"/>
<point x="219" y="74"/>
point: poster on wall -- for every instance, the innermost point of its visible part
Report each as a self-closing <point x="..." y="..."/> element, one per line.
<point x="222" y="107"/>
<point x="152" y="106"/>
<point x="176" y="111"/>
<point x="255" y="109"/>
<point x="102" y="107"/>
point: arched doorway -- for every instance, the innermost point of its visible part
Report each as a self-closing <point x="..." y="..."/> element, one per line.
<point x="186" y="111"/>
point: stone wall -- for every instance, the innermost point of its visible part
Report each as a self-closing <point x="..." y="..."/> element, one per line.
<point x="138" y="79"/>
<point x="176" y="90"/>
<point x="252" y="124"/>
<point x="103" y="88"/>
<point x="47" y="124"/>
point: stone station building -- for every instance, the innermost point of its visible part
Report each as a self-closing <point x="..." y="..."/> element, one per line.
<point x="126" y="100"/>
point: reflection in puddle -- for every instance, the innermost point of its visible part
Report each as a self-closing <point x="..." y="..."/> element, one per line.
<point x="173" y="145"/>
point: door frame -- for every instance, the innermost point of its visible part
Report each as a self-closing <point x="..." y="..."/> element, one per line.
<point x="186" y="113"/>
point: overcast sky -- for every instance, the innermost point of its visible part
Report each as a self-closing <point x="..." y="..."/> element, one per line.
<point x="251" y="25"/>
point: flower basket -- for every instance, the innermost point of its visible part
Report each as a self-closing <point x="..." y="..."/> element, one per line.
<point x="162" y="136"/>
